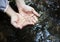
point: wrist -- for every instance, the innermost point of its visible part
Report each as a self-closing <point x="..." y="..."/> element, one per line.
<point x="6" y="6"/>
<point x="10" y="12"/>
<point x="13" y="14"/>
<point x="20" y="3"/>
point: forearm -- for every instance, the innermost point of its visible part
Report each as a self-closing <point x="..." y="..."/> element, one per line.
<point x="20" y="3"/>
<point x="10" y="12"/>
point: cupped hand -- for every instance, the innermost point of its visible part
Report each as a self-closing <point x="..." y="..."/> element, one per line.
<point x="28" y="9"/>
<point x="26" y="16"/>
<point x="29" y="13"/>
<point x="19" y="21"/>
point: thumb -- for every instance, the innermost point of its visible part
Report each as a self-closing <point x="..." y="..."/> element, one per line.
<point x="14" y="23"/>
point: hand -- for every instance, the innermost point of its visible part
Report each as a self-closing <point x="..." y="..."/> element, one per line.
<point x="14" y="20"/>
<point x="19" y="21"/>
<point x="28" y="9"/>
<point x="29" y="13"/>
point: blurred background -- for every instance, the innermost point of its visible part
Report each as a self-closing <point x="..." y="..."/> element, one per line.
<point x="47" y="29"/>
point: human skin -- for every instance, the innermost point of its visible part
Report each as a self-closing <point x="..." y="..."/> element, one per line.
<point x="27" y="11"/>
<point x="25" y="8"/>
<point x="24" y="17"/>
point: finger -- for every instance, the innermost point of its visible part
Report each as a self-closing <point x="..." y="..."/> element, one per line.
<point x="20" y="25"/>
<point x="25" y="23"/>
<point x="34" y="12"/>
<point x="35" y="18"/>
<point x="31" y="20"/>
<point x="28" y="22"/>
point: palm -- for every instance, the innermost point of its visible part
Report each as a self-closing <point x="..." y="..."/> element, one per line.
<point x="25" y="17"/>
<point x="29" y="16"/>
<point x="19" y="21"/>
<point x="29" y="13"/>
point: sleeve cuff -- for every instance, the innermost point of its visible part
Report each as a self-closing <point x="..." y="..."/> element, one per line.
<point x="6" y="7"/>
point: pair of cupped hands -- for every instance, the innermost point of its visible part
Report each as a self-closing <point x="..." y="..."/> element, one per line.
<point x="26" y="16"/>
